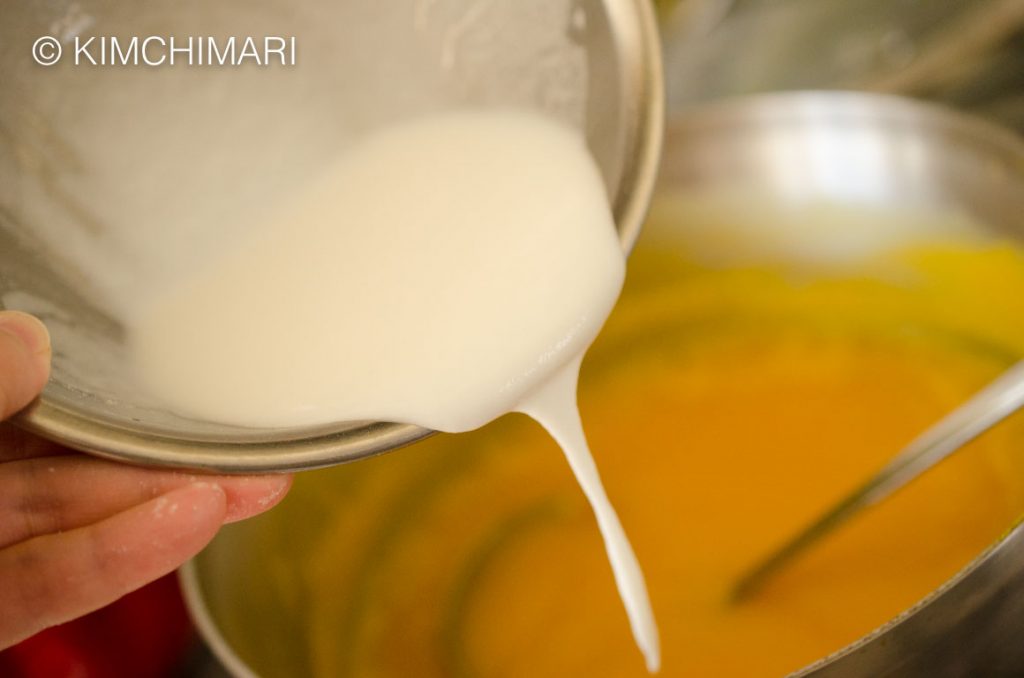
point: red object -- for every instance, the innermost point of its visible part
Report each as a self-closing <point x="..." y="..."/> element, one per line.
<point x="145" y="634"/>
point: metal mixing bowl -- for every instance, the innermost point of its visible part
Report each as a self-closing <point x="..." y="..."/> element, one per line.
<point x="885" y="151"/>
<point x="91" y="157"/>
<point x="845" y="147"/>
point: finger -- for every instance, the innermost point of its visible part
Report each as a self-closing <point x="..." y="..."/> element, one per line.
<point x="17" y="443"/>
<point x="251" y="495"/>
<point x="52" y="579"/>
<point x="24" y="360"/>
<point x="45" y="495"/>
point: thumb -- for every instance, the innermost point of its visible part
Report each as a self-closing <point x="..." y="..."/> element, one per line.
<point x="24" y="360"/>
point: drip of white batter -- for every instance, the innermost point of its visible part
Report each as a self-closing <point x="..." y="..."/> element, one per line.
<point x="553" y="405"/>
<point x="446" y="271"/>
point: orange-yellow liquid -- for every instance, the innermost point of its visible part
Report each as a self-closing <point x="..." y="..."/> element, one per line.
<point x="725" y="408"/>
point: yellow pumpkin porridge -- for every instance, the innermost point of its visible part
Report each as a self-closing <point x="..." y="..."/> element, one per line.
<point x="725" y="405"/>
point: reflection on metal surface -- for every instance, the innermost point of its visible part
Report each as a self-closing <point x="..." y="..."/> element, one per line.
<point x="967" y="54"/>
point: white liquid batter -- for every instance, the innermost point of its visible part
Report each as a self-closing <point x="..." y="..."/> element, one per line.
<point x="443" y="273"/>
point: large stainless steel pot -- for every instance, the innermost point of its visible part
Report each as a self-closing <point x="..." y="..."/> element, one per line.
<point x="844" y="146"/>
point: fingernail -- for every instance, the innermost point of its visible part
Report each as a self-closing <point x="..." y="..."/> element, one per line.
<point x="28" y="329"/>
<point x="252" y="495"/>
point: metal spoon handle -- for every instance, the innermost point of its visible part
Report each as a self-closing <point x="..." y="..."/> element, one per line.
<point x="984" y="410"/>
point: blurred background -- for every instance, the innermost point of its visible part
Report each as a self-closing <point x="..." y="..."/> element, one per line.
<point x="965" y="53"/>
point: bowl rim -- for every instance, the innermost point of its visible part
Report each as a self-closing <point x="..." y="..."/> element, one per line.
<point x="209" y="631"/>
<point x="848" y="105"/>
<point x="976" y="565"/>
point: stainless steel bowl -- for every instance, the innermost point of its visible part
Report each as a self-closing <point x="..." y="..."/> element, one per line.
<point x="886" y="151"/>
<point x="91" y="157"/>
<point x="842" y="146"/>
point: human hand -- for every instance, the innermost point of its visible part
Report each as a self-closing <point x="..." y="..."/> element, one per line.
<point x="77" y="532"/>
